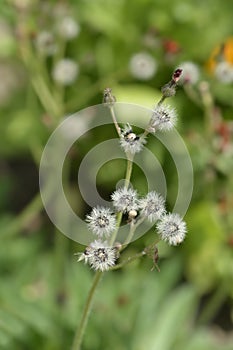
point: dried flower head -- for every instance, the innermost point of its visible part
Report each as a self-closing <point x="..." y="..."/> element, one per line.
<point x="65" y="71"/>
<point x="163" y="119"/>
<point x="130" y="142"/>
<point x="152" y="206"/>
<point x="190" y="73"/>
<point x="125" y="199"/>
<point x="101" y="221"/>
<point x="143" y="66"/>
<point x="172" y="229"/>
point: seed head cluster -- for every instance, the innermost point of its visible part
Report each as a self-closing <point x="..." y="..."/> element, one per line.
<point x="103" y="252"/>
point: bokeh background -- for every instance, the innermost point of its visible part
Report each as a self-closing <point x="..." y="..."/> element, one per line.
<point x="56" y="57"/>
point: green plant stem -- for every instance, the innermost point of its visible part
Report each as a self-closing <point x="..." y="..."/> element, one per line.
<point x="163" y="98"/>
<point x="128" y="171"/>
<point x="192" y="94"/>
<point x="127" y="261"/>
<point x="118" y="129"/>
<point x="27" y="215"/>
<point x="118" y="223"/>
<point x="86" y="312"/>
<point x="45" y="96"/>
<point x="208" y="105"/>
<point x="213" y="305"/>
<point x="38" y="82"/>
<point x="146" y="131"/>
<point x="132" y="230"/>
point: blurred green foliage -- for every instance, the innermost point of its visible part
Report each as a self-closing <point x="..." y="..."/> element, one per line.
<point x="188" y="305"/>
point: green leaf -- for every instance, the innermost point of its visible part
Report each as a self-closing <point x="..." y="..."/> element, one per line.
<point x="173" y="313"/>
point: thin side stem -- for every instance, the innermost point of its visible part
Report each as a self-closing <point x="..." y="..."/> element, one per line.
<point x="192" y="94"/>
<point x="127" y="261"/>
<point x="118" y="129"/>
<point x="132" y="230"/>
<point x="208" y="105"/>
<point x="86" y="312"/>
<point x="161" y="100"/>
<point x="118" y="222"/>
<point x="146" y="131"/>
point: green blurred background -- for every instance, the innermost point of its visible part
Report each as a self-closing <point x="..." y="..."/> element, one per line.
<point x="188" y="305"/>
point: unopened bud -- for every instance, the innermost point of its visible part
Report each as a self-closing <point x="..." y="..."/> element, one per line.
<point x="176" y="75"/>
<point x="169" y="89"/>
<point x="108" y="98"/>
<point x="132" y="214"/>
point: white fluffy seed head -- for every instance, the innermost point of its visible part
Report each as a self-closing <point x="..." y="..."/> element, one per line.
<point x="102" y="256"/>
<point x="101" y="221"/>
<point x="68" y="28"/>
<point x="65" y="71"/>
<point x="190" y="73"/>
<point x="163" y="118"/>
<point x="99" y="255"/>
<point x="142" y="66"/>
<point x="224" y="72"/>
<point x="152" y="206"/>
<point x="172" y="229"/>
<point x="125" y="199"/>
<point x="130" y="142"/>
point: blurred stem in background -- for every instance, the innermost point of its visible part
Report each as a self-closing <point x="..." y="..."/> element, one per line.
<point x="51" y="97"/>
<point x="213" y="305"/>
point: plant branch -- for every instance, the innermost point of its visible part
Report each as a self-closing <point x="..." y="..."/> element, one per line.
<point x="86" y="312"/>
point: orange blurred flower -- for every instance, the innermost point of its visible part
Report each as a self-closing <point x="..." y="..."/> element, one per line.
<point x="223" y="52"/>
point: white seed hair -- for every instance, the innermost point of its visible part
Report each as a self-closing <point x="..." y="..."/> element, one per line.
<point x="152" y="206"/>
<point x="101" y="221"/>
<point x="163" y="119"/>
<point x="125" y="199"/>
<point x="172" y="229"/>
